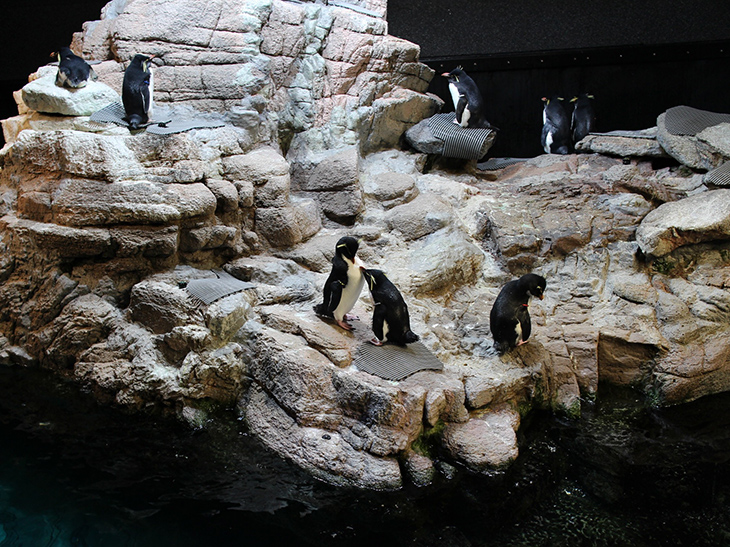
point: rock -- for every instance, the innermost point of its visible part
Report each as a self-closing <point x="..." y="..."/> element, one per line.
<point x="708" y="149"/>
<point x="287" y="226"/>
<point x="624" y="144"/>
<point x="422" y="138"/>
<point x="424" y="215"/>
<point x="43" y="95"/>
<point x="159" y="307"/>
<point x="392" y="189"/>
<point x="704" y="217"/>
<point x="484" y="442"/>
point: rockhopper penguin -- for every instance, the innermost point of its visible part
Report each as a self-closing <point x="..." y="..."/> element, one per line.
<point x="343" y="286"/>
<point x="468" y="102"/>
<point x="391" y="322"/>
<point x="555" y="127"/>
<point x="509" y="320"/>
<point x="73" y="71"/>
<point x="137" y="90"/>
<point x="584" y="118"/>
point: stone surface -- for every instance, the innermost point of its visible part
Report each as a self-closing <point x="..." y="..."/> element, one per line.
<point x="624" y="144"/>
<point x="43" y="95"/>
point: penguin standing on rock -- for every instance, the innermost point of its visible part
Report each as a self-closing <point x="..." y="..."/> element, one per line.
<point x="137" y="89"/>
<point x="468" y="102"/>
<point x="509" y="320"/>
<point x="343" y="286"/>
<point x="391" y="322"/>
<point x="584" y="118"/>
<point x="555" y="127"/>
<point x="73" y="71"/>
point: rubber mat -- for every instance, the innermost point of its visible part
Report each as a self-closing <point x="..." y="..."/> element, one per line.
<point x="493" y="164"/>
<point x="393" y="362"/>
<point x="468" y="143"/>
<point x="214" y="288"/>
<point x="685" y="120"/>
<point x="720" y="176"/>
<point x="114" y="113"/>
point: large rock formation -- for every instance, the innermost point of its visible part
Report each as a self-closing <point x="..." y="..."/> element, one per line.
<point x="102" y="233"/>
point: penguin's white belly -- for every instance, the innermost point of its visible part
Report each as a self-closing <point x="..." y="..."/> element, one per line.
<point x="548" y="141"/>
<point x="386" y="330"/>
<point x="350" y="292"/>
<point x="465" y="116"/>
<point x="454" y="95"/>
<point x="151" y="91"/>
<point x="518" y="333"/>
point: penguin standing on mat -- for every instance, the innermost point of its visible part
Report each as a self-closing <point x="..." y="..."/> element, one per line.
<point x="468" y="102"/>
<point x="509" y="319"/>
<point x="137" y="90"/>
<point x="584" y="118"/>
<point x="391" y="322"/>
<point x="73" y="71"/>
<point x="555" y="137"/>
<point x="343" y="286"/>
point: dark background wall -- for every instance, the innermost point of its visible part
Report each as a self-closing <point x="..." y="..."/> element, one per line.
<point x="637" y="58"/>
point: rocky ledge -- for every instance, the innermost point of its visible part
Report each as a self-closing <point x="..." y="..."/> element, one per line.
<point x="103" y="232"/>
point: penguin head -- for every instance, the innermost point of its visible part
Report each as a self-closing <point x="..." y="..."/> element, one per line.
<point x="142" y="61"/>
<point x="347" y="247"/>
<point x="373" y="278"/>
<point x="456" y="75"/>
<point x="533" y="284"/>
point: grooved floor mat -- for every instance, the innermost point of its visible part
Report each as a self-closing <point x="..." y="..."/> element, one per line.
<point x="685" y="120"/>
<point x="469" y="143"/>
<point x="393" y="362"/>
<point x="114" y="113"/>
<point x="211" y="289"/>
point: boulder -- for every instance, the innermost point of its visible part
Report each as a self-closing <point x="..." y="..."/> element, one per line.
<point x="704" y="151"/>
<point x="43" y="95"/>
<point x="703" y="217"/>
<point x="624" y="144"/>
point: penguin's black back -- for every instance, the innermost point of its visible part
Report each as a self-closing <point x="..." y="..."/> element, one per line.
<point x="73" y="70"/>
<point x="510" y="309"/>
<point x="584" y="117"/>
<point x="136" y="92"/>
<point x="391" y="308"/>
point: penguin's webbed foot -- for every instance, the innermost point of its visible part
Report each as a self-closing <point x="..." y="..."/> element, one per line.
<point x="521" y="342"/>
<point x="345" y="325"/>
<point x="350" y="317"/>
<point x="375" y="342"/>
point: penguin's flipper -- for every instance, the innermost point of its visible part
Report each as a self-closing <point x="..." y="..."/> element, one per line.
<point x="378" y="320"/>
<point x="92" y="75"/>
<point x="460" y="109"/>
<point x="526" y="325"/>
<point x="334" y="288"/>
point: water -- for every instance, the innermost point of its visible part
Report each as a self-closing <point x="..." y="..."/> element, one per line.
<point x="73" y="473"/>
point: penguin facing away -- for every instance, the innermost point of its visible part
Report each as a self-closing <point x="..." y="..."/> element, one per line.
<point x="555" y="138"/>
<point x="137" y="90"/>
<point x="343" y="286"/>
<point x="509" y="319"/>
<point x="584" y="117"/>
<point x="468" y="101"/>
<point x="391" y="322"/>
<point x="73" y="71"/>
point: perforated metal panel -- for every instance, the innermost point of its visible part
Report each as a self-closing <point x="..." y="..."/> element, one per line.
<point x="685" y="120"/>
<point x="209" y="290"/>
<point x="393" y="362"/>
<point x="114" y="113"/>
<point x="719" y="176"/>
<point x="469" y="143"/>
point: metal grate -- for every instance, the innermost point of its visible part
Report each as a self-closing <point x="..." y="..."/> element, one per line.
<point x="685" y="120"/>
<point x="214" y="288"/>
<point x="114" y="113"/>
<point x="469" y="143"/>
<point x="720" y="176"/>
<point x="393" y="362"/>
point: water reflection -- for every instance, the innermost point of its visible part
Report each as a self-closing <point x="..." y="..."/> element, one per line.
<point x="74" y="473"/>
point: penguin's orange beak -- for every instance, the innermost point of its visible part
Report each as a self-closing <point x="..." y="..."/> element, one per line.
<point x="445" y="74"/>
<point x="542" y="296"/>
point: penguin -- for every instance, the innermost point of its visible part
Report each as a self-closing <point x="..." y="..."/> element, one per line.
<point x="509" y="319"/>
<point x="556" y="127"/>
<point x="391" y="322"/>
<point x="73" y="71"/>
<point x="343" y="286"/>
<point x="137" y="89"/>
<point x="584" y="118"/>
<point x="468" y="102"/>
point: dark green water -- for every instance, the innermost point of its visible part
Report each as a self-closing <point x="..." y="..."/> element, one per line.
<point x="76" y="474"/>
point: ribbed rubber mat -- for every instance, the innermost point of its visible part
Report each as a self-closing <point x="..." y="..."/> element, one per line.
<point x="393" y="362"/>
<point x="493" y="164"/>
<point x="468" y="143"/>
<point x="114" y="113"/>
<point x="685" y="120"/>
<point x="720" y="176"/>
<point x="212" y="289"/>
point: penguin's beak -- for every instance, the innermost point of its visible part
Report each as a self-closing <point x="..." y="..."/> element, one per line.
<point x="445" y="74"/>
<point x="542" y="296"/>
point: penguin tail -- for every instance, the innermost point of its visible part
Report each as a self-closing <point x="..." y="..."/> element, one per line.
<point x="501" y="347"/>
